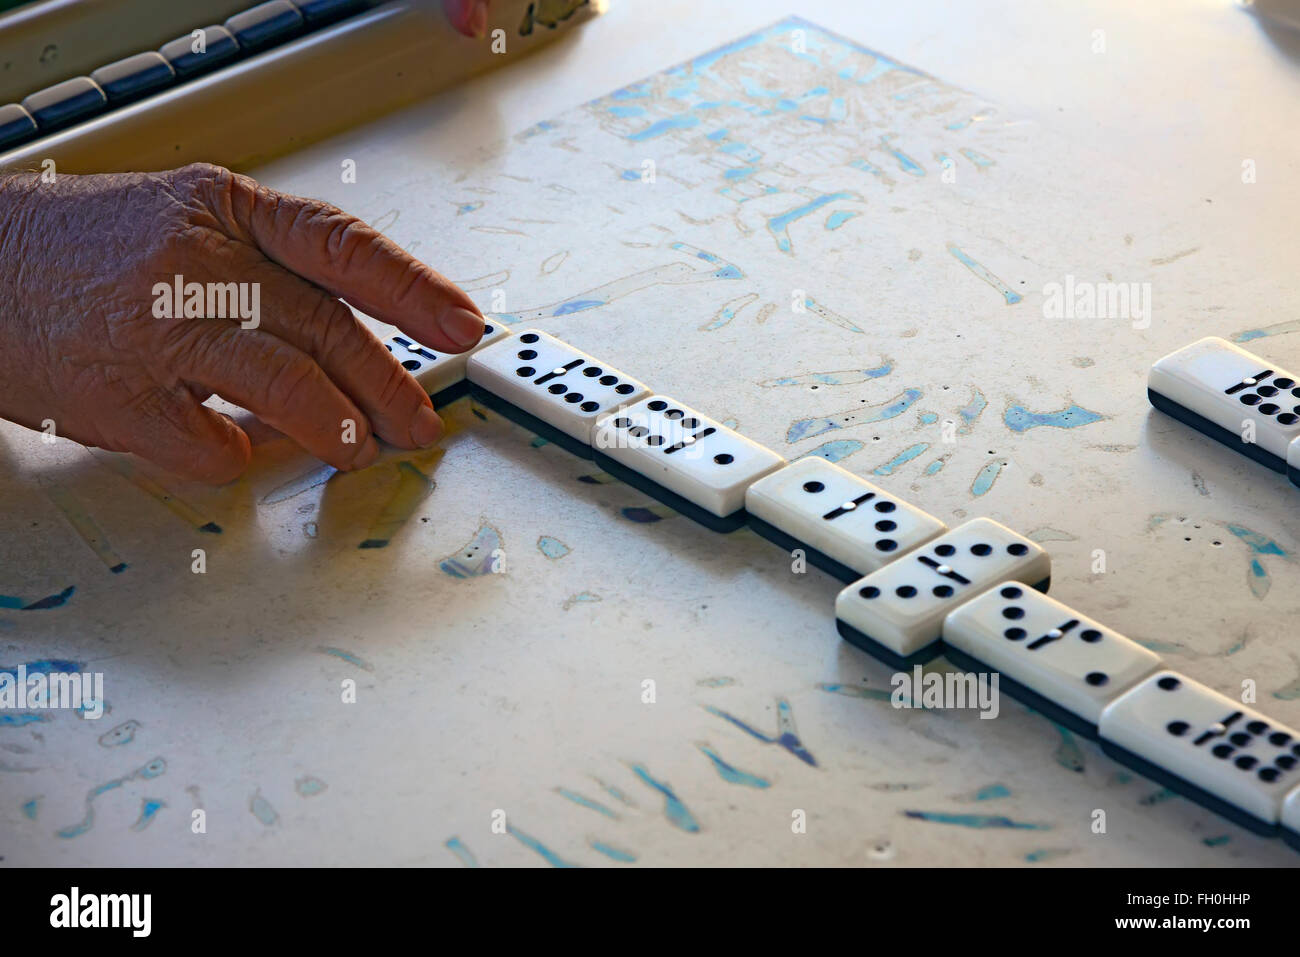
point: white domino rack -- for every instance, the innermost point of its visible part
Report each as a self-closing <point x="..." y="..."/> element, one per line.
<point x="972" y="594"/>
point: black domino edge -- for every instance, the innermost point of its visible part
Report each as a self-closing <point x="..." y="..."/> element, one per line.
<point x="1190" y="791"/>
<point x="626" y="475"/>
<point x="529" y="421"/>
<point x="1026" y="696"/>
<point x="1221" y="435"/>
<point x="724" y="524"/>
<point x="450" y="394"/>
<point x="888" y="655"/>
<point x="816" y="558"/>
<point x="1293" y="473"/>
<point x="1292" y="838"/>
<point x="892" y="658"/>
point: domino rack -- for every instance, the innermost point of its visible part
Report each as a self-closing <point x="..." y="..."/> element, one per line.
<point x="1208" y="748"/>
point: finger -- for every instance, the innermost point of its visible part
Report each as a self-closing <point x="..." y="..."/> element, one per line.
<point x="344" y="256"/>
<point x="258" y="432"/>
<point x="279" y="384"/>
<point x="172" y="429"/>
<point x="327" y="330"/>
<point x="467" y="16"/>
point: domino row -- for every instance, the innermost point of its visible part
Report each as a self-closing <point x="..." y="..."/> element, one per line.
<point x="975" y="595"/>
<point x="916" y="588"/>
<point x="682" y="457"/>
<point x="1235" y="398"/>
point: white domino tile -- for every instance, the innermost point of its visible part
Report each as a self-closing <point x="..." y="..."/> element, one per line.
<point x="1291" y="817"/>
<point x="1075" y="663"/>
<point x="901" y="607"/>
<point x="828" y="508"/>
<point x="1230" y="752"/>
<point x="434" y="370"/>
<point x="552" y="381"/>
<point x="1247" y="400"/>
<point x="686" y="452"/>
<point x="1293" y="461"/>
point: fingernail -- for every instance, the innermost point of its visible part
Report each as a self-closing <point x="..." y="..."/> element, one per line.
<point x="477" y="19"/>
<point x="464" y="327"/>
<point x="426" y="428"/>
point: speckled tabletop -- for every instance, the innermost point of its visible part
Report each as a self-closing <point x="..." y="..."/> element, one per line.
<point x="839" y="252"/>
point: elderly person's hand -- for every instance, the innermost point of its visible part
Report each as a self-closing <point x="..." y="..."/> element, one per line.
<point x="91" y="340"/>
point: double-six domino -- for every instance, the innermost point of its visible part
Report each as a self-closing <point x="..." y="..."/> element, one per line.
<point x="1235" y="398"/>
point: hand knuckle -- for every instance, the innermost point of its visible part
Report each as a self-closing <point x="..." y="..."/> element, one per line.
<point x="395" y="384"/>
<point x="346" y="239"/>
<point x="331" y="327"/>
<point x="195" y="175"/>
<point x="289" y="379"/>
<point x="410" y="283"/>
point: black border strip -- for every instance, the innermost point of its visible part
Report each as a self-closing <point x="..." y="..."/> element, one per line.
<point x="817" y="558"/>
<point x="1189" y="790"/>
<point x="529" y="421"/>
<point x="1025" y="695"/>
<point x="1217" y="432"/>
<point x="725" y="525"/>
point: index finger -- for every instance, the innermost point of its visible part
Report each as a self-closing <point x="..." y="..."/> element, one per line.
<point x="347" y="258"/>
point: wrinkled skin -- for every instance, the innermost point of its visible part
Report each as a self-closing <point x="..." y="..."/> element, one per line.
<point x="80" y="344"/>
